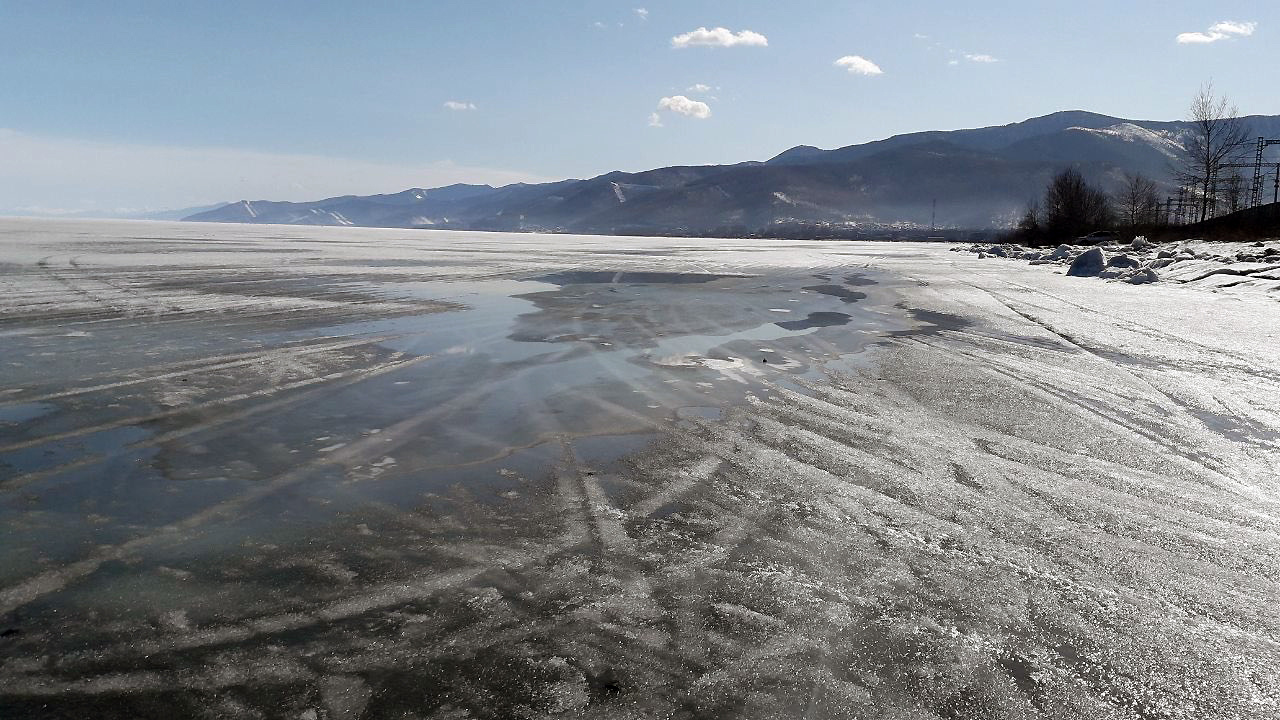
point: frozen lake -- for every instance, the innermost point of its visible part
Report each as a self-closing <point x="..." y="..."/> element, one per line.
<point x="277" y="471"/>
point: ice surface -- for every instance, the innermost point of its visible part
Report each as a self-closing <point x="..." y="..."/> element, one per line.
<point x="266" y="471"/>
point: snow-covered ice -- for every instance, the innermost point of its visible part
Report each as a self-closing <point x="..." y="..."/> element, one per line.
<point x="320" y="472"/>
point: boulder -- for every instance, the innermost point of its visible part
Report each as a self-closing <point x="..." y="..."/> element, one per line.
<point x="1140" y="243"/>
<point x="1060" y="253"/>
<point x="1088" y="263"/>
<point x="996" y="250"/>
<point x="1122" y="261"/>
<point x="1167" y="254"/>
<point x="1141" y="277"/>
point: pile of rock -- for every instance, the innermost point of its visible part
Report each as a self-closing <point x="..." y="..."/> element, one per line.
<point x="1080" y="261"/>
<point x="1143" y="262"/>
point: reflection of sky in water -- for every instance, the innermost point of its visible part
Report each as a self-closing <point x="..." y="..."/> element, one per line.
<point x="528" y="375"/>
<point x="22" y="412"/>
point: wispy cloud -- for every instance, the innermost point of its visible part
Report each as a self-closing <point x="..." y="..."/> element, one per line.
<point x="642" y="13"/>
<point x="87" y="175"/>
<point x="655" y="120"/>
<point x="980" y="58"/>
<point x="682" y="105"/>
<point x="699" y="88"/>
<point x="1218" y="31"/>
<point x="1234" y="28"/>
<point x="719" y="37"/>
<point x="458" y="106"/>
<point x="858" y="65"/>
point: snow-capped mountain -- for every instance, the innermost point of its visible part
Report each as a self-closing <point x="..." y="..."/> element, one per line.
<point x="977" y="177"/>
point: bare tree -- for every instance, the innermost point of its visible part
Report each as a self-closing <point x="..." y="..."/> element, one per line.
<point x="1218" y="136"/>
<point x="1028" y="229"/>
<point x="1073" y="207"/>
<point x="1138" y="200"/>
<point x="1030" y="221"/>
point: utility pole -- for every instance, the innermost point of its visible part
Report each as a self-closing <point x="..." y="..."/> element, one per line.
<point x="1255" y="198"/>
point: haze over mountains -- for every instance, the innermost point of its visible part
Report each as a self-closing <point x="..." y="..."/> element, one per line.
<point x="978" y="178"/>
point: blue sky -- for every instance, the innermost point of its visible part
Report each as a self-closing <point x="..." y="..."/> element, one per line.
<point x="166" y="104"/>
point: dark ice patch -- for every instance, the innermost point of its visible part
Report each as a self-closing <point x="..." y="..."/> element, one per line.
<point x="607" y="277"/>
<point x="814" y="320"/>
<point x="934" y="322"/>
<point x="844" y="293"/>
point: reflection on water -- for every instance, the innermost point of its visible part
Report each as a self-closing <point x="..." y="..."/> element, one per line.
<point x="531" y="371"/>
<point x="308" y="457"/>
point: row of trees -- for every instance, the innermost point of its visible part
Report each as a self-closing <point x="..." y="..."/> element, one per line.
<point x="1072" y="207"/>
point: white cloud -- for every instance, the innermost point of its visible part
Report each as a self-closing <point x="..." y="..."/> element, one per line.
<point x="920" y="36"/>
<point x="682" y="105"/>
<point x="1218" y="31"/>
<point x="86" y="175"/>
<point x="858" y="65"/>
<point x="953" y="62"/>
<point x="1198" y="37"/>
<point x="980" y="58"/>
<point x="699" y="88"/>
<point x="1234" y="28"/>
<point x="458" y="105"/>
<point x="655" y="120"/>
<point x="719" y="37"/>
<point x="643" y="13"/>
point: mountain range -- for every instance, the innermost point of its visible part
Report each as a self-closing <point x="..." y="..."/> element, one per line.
<point x="974" y="178"/>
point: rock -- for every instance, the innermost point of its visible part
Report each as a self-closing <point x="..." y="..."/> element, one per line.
<point x="996" y="250"/>
<point x="1140" y="243"/>
<point x="1162" y="262"/>
<point x="1258" y="244"/>
<point x="1061" y="252"/>
<point x="1110" y="273"/>
<point x="1030" y="256"/>
<point x="1141" y="277"/>
<point x="1271" y="251"/>
<point x="1088" y="263"/>
<point x="1166" y="254"/>
<point x="982" y="256"/>
<point x="1122" y="261"/>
